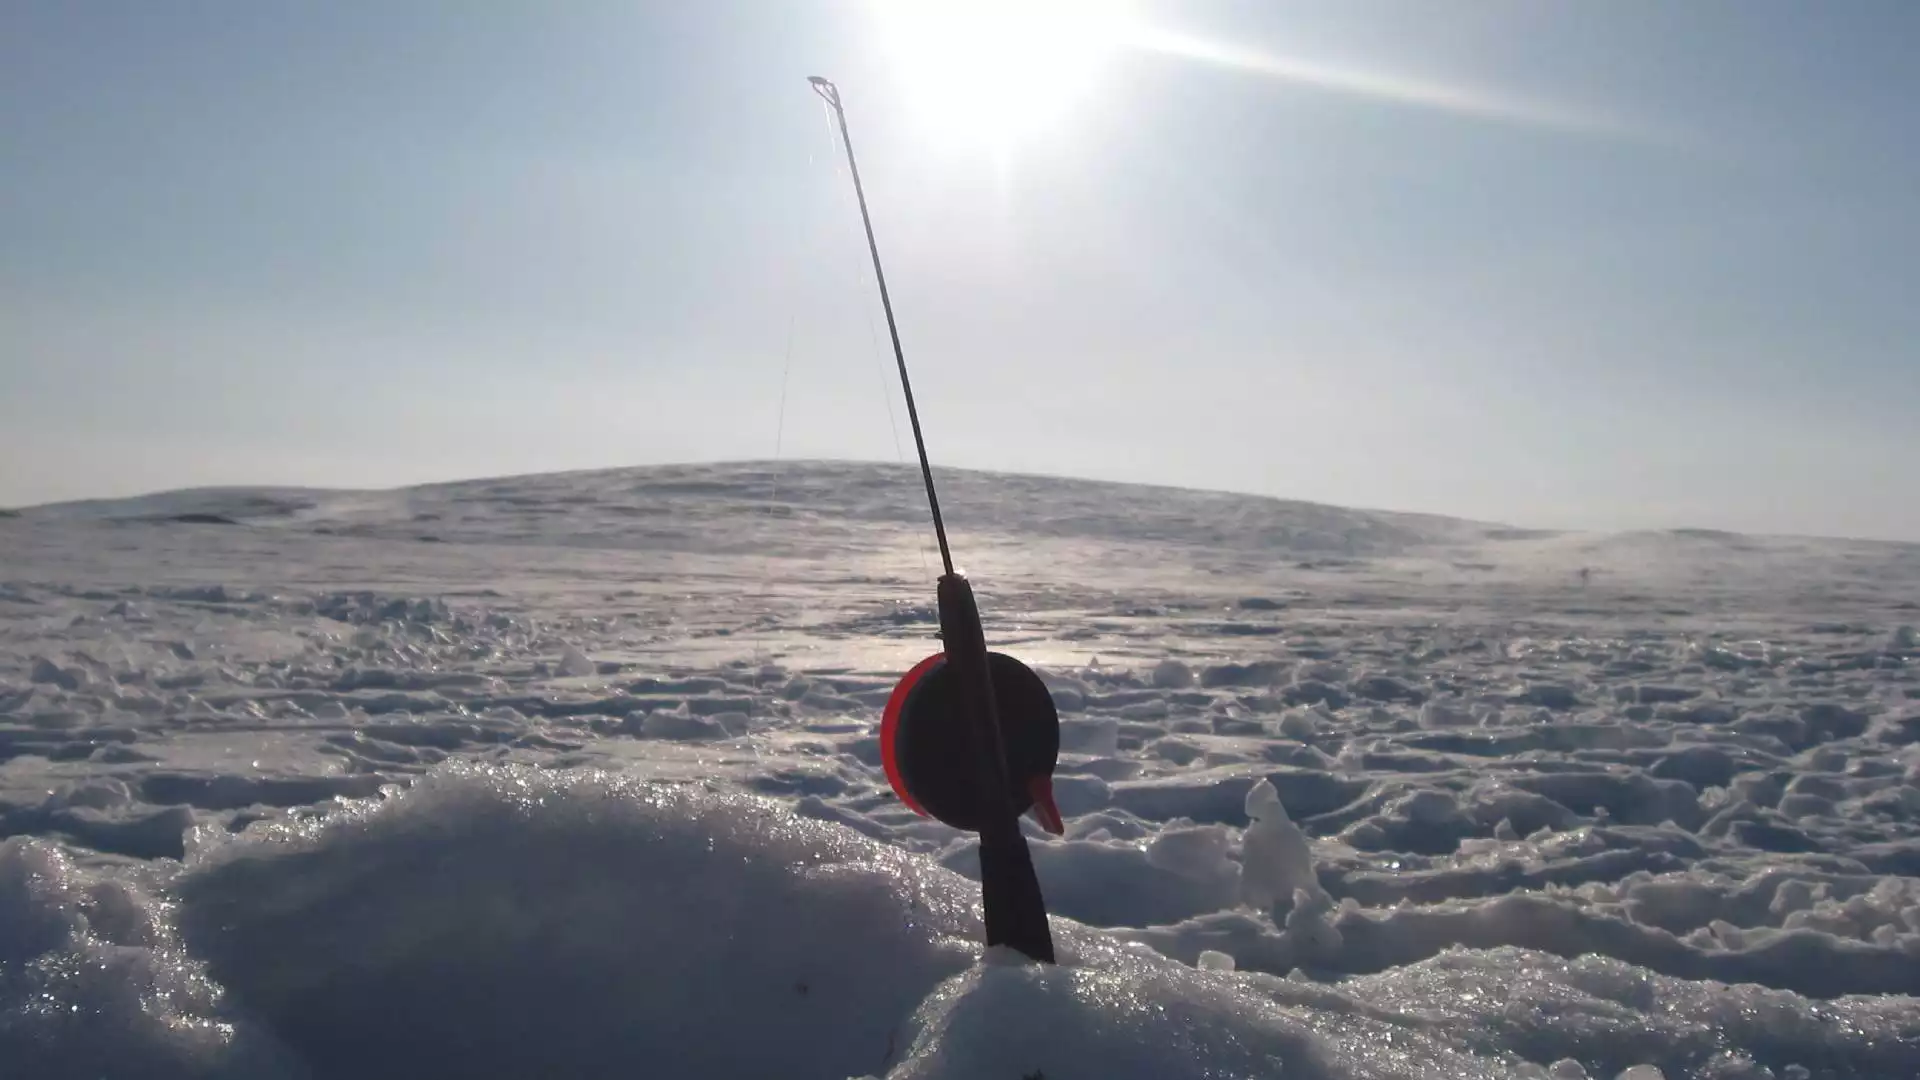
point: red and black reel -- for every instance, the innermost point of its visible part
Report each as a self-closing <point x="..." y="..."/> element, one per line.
<point x="926" y="743"/>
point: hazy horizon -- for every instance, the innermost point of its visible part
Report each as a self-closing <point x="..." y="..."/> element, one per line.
<point x="912" y="467"/>
<point x="1577" y="268"/>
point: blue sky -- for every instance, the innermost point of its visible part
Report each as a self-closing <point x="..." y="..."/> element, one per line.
<point x="1619" y="265"/>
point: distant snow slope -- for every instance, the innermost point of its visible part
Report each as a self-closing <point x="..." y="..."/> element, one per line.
<point x="578" y="775"/>
<point x="682" y="506"/>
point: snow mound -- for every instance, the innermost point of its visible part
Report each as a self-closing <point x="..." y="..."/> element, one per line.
<point x="494" y="921"/>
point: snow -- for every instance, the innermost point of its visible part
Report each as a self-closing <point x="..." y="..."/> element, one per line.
<point x="1276" y="857"/>
<point x="589" y="785"/>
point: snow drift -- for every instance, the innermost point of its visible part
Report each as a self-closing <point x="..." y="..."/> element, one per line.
<point x="513" y="921"/>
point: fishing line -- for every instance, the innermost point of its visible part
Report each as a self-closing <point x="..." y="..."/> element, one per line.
<point x="864" y="279"/>
<point x="861" y="278"/>
<point x="802" y="245"/>
<point x="763" y="654"/>
<point x="780" y="417"/>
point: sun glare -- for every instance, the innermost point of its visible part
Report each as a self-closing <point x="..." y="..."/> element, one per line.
<point x="987" y="75"/>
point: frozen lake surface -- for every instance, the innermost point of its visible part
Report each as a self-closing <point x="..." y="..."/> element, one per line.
<point x="578" y="775"/>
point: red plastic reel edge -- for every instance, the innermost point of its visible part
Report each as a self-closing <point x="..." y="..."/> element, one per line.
<point x="890" y="727"/>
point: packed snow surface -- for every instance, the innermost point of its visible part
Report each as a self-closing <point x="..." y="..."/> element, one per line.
<point x="578" y="775"/>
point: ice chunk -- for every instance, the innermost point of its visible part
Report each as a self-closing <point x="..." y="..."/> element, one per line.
<point x="681" y="724"/>
<point x="48" y="673"/>
<point x="1215" y="960"/>
<point x="1301" y="724"/>
<point x="1439" y="713"/>
<point x="1276" y="858"/>
<point x="1100" y="738"/>
<point x="575" y="663"/>
<point x="1104" y="884"/>
<point x="1199" y="853"/>
<point x="1310" y="927"/>
<point x="1172" y="675"/>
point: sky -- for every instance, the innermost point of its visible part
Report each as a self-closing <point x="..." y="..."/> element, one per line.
<point x="1599" y="266"/>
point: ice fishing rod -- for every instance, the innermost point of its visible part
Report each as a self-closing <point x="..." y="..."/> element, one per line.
<point x="831" y="95"/>
<point x="969" y="737"/>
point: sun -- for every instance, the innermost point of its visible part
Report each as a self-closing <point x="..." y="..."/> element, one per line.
<point x="989" y="75"/>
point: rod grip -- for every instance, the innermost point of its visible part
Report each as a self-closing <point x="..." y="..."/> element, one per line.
<point x="1016" y="912"/>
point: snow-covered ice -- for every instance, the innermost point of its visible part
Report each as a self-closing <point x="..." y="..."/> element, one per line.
<point x="578" y="775"/>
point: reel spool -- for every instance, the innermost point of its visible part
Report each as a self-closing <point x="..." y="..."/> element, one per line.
<point x="926" y="744"/>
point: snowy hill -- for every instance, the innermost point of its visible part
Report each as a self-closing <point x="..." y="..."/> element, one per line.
<point x="626" y="507"/>
<point x="578" y="775"/>
<point x="663" y="506"/>
<point x="1037" y="531"/>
